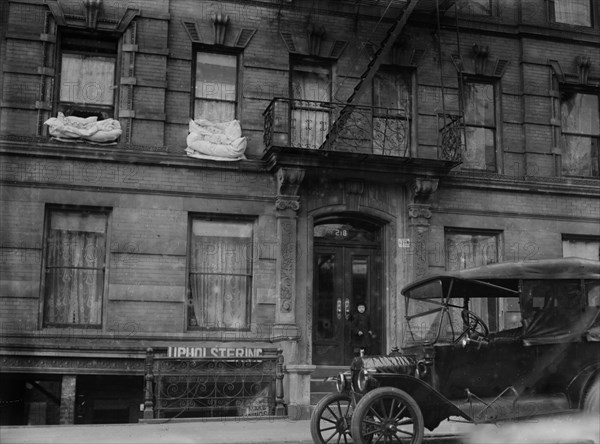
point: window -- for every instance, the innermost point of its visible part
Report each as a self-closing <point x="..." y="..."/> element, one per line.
<point x="392" y="99"/>
<point x="571" y="12"/>
<point x="480" y="125"/>
<point x="580" y="246"/>
<point x="469" y="249"/>
<point x="87" y="75"/>
<point x="220" y="274"/>
<point x="74" y="268"/>
<point x="311" y="94"/>
<point x="215" y="86"/>
<point x="580" y="122"/>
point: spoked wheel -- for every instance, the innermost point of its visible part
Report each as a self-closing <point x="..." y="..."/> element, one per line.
<point x="591" y="400"/>
<point x="330" y="421"/>
<point x="387" y="415"/>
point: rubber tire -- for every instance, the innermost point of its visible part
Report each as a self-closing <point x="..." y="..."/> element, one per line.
<point x="320" y="408"/>
<point x="373" y="397"/>
<point x="591" y="399"/>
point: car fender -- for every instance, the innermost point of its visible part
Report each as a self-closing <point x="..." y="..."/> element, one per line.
<point x="434" y="406"/>
<point x="579" y="383"/>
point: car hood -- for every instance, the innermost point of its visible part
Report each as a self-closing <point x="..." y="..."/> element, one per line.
<point x="399" y="364"/>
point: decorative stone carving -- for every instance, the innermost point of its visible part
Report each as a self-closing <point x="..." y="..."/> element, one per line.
<point x="288" y="263"/>
<point x="316" y="35"/>
<point x="92" y="8"/>
<point x="423" y="188"/>
<point x="220" y="23"/>
<point x="287" y="203"/>
<point x="584" y="64"/>
<point x="480" y="56"/>
<point x="289" y="180"/>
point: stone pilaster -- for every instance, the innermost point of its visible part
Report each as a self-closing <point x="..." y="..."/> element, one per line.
<point x="419" y="214"/>
<point x="287" y="204"/>
<point x="67" y="399"/>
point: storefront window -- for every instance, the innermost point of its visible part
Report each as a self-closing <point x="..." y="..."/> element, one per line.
<point x="220" y="274"/>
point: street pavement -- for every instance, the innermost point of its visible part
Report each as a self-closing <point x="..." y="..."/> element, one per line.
<point x="559" y="430"/>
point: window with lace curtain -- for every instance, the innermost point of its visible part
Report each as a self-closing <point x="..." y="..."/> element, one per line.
<point x="480" y="124"/>
<point x="87" y="75"/>
<point x="220" y="274"/>
<point x="580" y="138"/>
<point x="215" y="86"/>
<point x="571" y="12"/>
<point x="75" y="253"/>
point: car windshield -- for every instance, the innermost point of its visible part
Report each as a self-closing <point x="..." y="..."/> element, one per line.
<point x="432" y="317"/>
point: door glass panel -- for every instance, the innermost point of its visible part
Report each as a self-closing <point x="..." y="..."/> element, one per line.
<point x="326" y="303"/>
<point x="360" y="280"/>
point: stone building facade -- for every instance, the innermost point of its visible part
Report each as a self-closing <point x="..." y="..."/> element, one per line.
<point x="475" y="140"/>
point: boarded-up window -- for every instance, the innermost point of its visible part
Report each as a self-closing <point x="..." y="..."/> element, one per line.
<point x="572" y="12"/>
<point x="87" y="75"/>
<point x="215" y="87"/>
<point x="74" y="270"/>
<point x="220" y="274"/>
<point x="480" y="126"/>
<point x="580" y="115"/>
<point x="392" y="101"/>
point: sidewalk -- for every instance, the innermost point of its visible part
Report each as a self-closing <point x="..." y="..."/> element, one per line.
<point x="565" y="429"/>
<point x="229" y="431"/>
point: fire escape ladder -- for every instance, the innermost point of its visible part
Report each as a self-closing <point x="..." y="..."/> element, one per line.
<point x="367" y="77"/>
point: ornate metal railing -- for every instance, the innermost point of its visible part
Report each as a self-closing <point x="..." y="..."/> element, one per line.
<point x="305" y="124"/>
<point x="451" y="137"/>
<point x="214" y="387"/>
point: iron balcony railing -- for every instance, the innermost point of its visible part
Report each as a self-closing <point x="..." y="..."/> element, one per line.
<point x="304" y="124"/>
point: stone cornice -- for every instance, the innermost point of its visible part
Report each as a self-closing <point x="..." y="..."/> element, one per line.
<point x="525" y="184"/>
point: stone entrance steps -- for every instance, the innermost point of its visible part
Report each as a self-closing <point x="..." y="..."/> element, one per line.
<point x="319" y="387"/>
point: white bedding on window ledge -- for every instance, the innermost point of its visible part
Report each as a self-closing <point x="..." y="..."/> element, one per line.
<point x="215" y="141"/>
<point x="73" y="128"/>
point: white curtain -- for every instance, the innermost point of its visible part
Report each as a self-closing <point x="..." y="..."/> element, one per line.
<point x="87" y="79"/>
<point x="75" y="270"/>
<point x="310" y="120"/>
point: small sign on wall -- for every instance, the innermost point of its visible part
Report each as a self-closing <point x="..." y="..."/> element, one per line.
<point x="213" y="352"/>
<point x="404" y="242"/>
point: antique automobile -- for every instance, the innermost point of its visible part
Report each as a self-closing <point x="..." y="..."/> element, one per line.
<point x="495" y="343"/>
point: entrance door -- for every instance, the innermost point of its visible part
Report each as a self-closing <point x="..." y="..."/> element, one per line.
<point x="347" y="272"/>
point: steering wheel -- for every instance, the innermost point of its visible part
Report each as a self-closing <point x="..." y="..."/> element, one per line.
<point x="475" y="325"/>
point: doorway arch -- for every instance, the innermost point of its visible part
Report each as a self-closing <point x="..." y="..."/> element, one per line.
<point x="347" y="271"/>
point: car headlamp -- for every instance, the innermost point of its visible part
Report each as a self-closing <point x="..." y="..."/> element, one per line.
<point x="361" y="380"/>
<point x="340" y="382"/>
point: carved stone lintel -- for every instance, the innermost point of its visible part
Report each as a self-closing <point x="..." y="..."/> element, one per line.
<point x="289" y="180"/>
<point x="423" y="188"/>
<point x="480" y="56"/>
